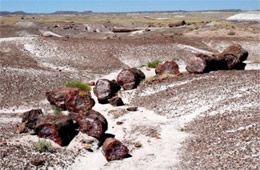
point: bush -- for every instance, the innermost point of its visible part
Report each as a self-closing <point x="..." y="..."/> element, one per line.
<point x="78" y="84"/>
<point x="43" y="146"/>
<point x="56" y="110"/>
<point x="231" y="33"/>
<point x="154" y="63"/>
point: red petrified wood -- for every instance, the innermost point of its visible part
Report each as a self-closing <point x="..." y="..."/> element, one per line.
<point x="114" y="150"/>
<point x="92" y="123"/>
<point x="169" y="66"/>
<point x="105" y="90"/>
<point x="231" y="58"/>
<point x="130" y="78"/>
<point x="59" y="128"/>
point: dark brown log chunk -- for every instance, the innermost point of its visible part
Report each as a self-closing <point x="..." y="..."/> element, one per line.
<point x="59" y="128"/>
<point x="231" y="58"/>
<point x="132" y="109"/>
<point x="79" y="101"/>
<point x="116" y="101"/>
<point x="130" y="78"/>
<point x="123" y="29"/>
<point x="105" y="90"/>
<point x="114" y="150"/>
<point x="169" y="66"/>
<point x="177" y="24"/>
<point x="92" y="123"/>
<point x="30" y="118"/>
<point x="57" y="97"/>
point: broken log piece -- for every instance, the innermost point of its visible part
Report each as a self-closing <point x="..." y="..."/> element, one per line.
<point x="116" y="101"/>
<point x="59" y="128"/>
<point x="92" y="123"/>
<point x="79" y="101"/>
<point x="30" y="118"/>
<point x="169" y="66"/>
<point x="177" y="24"/>
<point x="71" y="99"/>
<point x="196" y="65"/>
<point x="105" y="90"/>
<point x="114" y="150"/>
<point x="57" y="97"/>
<point x="123" y="29"/>
<point x="231" y="58"/>
<point x="130" y="78"/>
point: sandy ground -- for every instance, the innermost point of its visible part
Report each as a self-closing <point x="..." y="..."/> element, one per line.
<point x="179" y="119"/>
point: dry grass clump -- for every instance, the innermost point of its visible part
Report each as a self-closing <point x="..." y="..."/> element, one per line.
<point x="43" y="146"/>
<point x="153" y="64"/>
<point x="78" y="84"/>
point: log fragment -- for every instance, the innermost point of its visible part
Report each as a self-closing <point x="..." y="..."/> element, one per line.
<point x="59" y="128"/>
<point x="114" y="150"/>
<point x="92" y="123"/>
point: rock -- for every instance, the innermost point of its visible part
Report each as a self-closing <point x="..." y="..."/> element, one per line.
<point x="3" y="143"/>
<point x="91" y="83"/>
<point x="59" y="128"/>
<point x="132" y="109"/>
<point x="130" y="78"/>
<point x="119" y="122"/>
<point x="231" y="58"/>
<point x="196" y="65"/>
<point x="169" y="66"/>
<point x="50" y="34"/>
<point x="123" y="29"/>
<point x="29" y="119"/>
<point x="138" y="145"/>
<point x="22" y="128"/>
<point x="79" y="101"/>
<point x="92" y="123"/>
<point x="177" y="24"/>
<point x="87" y="147"/>
<point x="70" y="98"/>
<point x="114" y="150"/>
<point x="37" y="162"/>
<point x="105" y="89"/>
<point x="116" y="101"/>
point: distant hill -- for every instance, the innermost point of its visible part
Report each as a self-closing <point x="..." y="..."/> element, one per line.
<point x="6" y="13"/>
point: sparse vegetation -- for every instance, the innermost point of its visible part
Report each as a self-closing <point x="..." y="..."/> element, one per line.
<point x="159" y="77"/>
<point x="153" y="64"/>
<point x="56" y="110"/>
<point x="78" y="84"/>
<point x="43" y="146"/>
<point x="231" y="33"/>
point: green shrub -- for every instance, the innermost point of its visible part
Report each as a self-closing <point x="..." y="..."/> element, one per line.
<point x="56" y="110"/>
<point x="43" y="146"/>
<point x="154" y="63"/>
<point x="78" y="84"/>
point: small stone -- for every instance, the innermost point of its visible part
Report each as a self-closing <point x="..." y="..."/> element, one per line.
<point x="37" y="162"/>
<point x="132" y="109"/>
<point x="138" y="145"/>
<point x="119" y="123"/>
<point x="22" y="128"/>
<point x="3" y="143"/>
<point x="87" y="147"/>
<point x="116" y="101"/>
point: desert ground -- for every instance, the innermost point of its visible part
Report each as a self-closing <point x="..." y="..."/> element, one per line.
<point x="190" y="121"/>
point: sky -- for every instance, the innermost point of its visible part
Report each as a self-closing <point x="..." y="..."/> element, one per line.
<point x="125" y="5"/>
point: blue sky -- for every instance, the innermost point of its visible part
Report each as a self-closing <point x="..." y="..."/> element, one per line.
<point x="125" y="5"/>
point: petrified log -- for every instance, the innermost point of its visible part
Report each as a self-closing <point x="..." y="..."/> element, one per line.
<point x="114" y="149"/>
<point x="177" y="24"/>
<point x="92" y="123"/>
<point x="59" y="128"/>
<point x="123" y="29"/>
<point x="132" y="109"/>
<point x="116" y="101"/>
<point x="231" y="58"/>
<point x="57" y="97"/>
<point x="105" y="89"/>
<point x="30" y="118"/>
<point x="130" y="78"/>
<point x="169" y="66"/>
<point x="79" y="101"/>
<point x="71" y="98"/>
